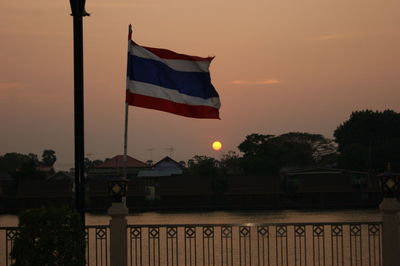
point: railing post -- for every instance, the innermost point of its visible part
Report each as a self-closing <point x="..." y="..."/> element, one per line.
<point x="390" y="207"/>
<point x="118" y="236"/>
<point x="390" y="233"/>
<point x="118" y="224"/>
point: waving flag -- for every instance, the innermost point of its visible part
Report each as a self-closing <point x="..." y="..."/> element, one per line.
<point x="163" y="80"/>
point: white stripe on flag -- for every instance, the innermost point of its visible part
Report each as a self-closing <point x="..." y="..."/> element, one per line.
<point x="151" y="90"/>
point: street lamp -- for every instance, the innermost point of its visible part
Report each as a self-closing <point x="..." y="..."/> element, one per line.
<point x="78" y="7"/>
<point x="117" y="189"/>
<point x="78" y="12"/>
<point x="390" y="184"/>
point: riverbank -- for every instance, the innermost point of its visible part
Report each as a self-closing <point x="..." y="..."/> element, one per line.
<point x="271" y="201"/>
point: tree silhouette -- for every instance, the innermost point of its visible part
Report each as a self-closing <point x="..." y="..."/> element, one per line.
<point x="12" y="162"/>
<point x="267" y="154"/>
<point x="203" y="165"/>
<point x="48" y="158"/>
<point x="368" y="140"/>
<point x="89" y="164"/>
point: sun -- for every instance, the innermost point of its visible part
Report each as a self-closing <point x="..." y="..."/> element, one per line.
<point x="216" y="145"/>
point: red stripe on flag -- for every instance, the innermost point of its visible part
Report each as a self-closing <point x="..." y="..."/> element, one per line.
<point x="168" y="54"/>
<point x="195" y="111"/>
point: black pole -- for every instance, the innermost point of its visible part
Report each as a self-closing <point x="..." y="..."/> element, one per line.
<point x="78" y="11"/>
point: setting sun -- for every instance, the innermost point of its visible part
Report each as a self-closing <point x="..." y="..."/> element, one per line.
<point x="217" y="145"/>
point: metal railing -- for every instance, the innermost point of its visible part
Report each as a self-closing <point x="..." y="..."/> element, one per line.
<point x="301" y="244"/>
<point x="317" y="244"/>
<point x="97" y="245"/>
<point x="7" y="236"/>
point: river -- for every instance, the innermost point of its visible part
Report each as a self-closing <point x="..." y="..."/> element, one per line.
<point x="231" y="217"/>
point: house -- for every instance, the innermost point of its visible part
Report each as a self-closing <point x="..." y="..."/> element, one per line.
<point x="97" y="197"/>
<point x="45" y="171"/>
<point x="166" y="167"/>
<point x="324" y="179"/>
<point x="113" y="168"/>
<point x="328" y="186"/>
<point x="61" y="175"/>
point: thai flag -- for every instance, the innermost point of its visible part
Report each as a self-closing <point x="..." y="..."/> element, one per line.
<point x="163" y="80"/>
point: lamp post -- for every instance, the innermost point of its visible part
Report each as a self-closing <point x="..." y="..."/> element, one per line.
<point x="390" y="207"/>
<point x="78" y="12"/>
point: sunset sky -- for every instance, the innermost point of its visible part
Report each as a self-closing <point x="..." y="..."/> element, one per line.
<point x="280" y="66"/>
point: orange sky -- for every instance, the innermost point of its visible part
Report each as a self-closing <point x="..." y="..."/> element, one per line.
<point x="280" y="66"/>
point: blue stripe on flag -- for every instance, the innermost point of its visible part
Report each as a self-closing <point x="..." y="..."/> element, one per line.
<point x="196" y="84"/>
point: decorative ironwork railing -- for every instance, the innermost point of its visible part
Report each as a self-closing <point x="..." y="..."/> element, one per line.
<point x="97" y="244"/>
<point x="301" y="244"/>
<point x="317" y="244"/>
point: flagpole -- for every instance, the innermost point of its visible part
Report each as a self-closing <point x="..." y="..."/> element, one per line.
<point x="126" y="115"/>
<point x="125" y="142"/>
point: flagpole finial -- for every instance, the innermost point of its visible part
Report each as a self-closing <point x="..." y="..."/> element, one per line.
<point x="130" y="32"/>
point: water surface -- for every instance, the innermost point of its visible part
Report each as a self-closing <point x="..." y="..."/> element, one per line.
<point x="231" y="217"/>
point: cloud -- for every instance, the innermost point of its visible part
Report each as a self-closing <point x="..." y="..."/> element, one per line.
<point x="14" y="90"/>
<point x="12" y="31"/>
<point x="8" y="89"/>
<point x="337" y="36"/>
<point x="113" y="4"/>
<point x="256" y="82"/>
<point x="10" y="86"/>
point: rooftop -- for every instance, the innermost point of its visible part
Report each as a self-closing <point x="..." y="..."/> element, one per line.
<point x="118" y="162"/>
